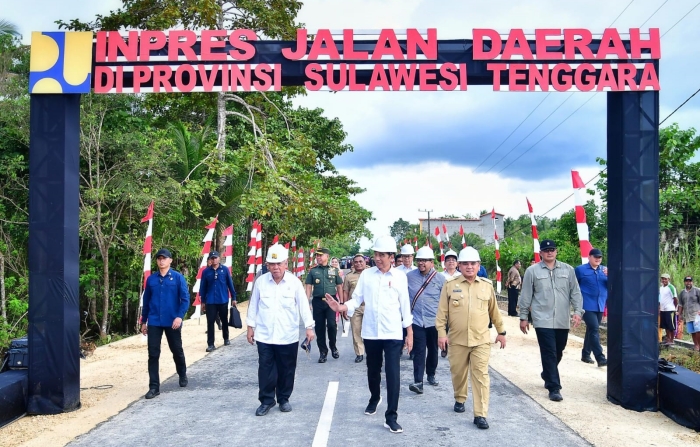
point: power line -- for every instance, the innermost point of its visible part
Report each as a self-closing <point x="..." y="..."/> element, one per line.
<point x="684" y="102"/>
<point x="547" y="134"/>
<point x="653" y="13"/>
<point x="681" y="19"/>
<point x="511" y="134"/>
<point x="620" y="14"/>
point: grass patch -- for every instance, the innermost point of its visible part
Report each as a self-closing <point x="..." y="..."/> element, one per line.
<point x="682" y="357"/>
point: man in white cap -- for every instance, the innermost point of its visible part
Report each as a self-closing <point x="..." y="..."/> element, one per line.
<point x="451" y="270"/>
<point x="424" y="287"/>
<point x="467" y="304"/>
<point x="407" y="253"/>
<point x="381" y="288"/>
<point x="277" y="303"/>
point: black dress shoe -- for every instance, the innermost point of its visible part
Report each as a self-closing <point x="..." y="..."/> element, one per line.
<point x="481" y="423"/>
<point x="586" y="360"/>
<point x="416" y="387"/>
<point x="459" y="407"/>
<point x="335" y="353"/>
<point x="602" y="362"/>
<point x="432" y="381"/>
<point x="227" y="342"/>
<point x="152" y="393"/>
<point x="393" y="427"/>
<point x="555" y="396"/>
<point x="218" y="324"/>
<point x="183" y="381"/>
<point x="443" y="354"/>
<point x="211" y="348"/>
<point x="372" y="407"/>
<point x="323" y="357"/>
<point x="359" y="358"/>
<point x="285" y="407"/>
<point x="263" y="409"/>
<point x="410" y="356"/>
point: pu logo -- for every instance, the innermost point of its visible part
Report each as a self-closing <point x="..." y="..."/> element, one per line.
<point x="61" y="62"/>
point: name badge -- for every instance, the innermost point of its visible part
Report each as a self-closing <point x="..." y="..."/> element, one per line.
<point x="457" y="291"/>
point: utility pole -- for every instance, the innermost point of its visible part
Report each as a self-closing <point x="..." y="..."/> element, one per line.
<point x="427" y="211"/>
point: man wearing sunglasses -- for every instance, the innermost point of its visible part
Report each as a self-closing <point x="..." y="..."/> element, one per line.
<point x="216" y="285"/>
<point x="593" y="281"/>
<point x="549" y="292"/>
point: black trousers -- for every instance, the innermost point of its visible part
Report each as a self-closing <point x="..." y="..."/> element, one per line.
<point x="512" y="301"/>
<point x="276" y="367"/>
<point x="424" y="339"/>
<point x="552" y="343"/>
<point x="392" y="354"/>
<point x="591" y="342"/>
<point x="174" y="337"/>
<point x="213" y="311"/>
<point x="324" y="316"/>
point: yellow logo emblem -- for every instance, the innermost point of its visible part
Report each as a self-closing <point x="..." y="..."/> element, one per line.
<point x="274" y="255"/>
<point x="61" y="62"/>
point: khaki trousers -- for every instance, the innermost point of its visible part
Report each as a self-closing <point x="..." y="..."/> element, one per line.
<point x="356" y="325"/>
<point x="474" y="361"/>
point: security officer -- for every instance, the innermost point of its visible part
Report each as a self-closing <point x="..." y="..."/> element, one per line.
<point x="320" y="281"/>
<point x="165" y="302"/>
<point x="214" y="291"/>
<point x="466" y="305"/>
<point x="349" y="283"/>
<point x="277" y="303"/>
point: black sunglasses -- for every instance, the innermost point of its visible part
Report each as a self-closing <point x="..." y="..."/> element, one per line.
<point x="548" y="250"/>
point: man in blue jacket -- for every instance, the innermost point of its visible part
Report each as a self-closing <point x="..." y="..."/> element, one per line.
<point x="593" y="282"/>
<point x="214" y="291"/>
<point x="165" y="302"/>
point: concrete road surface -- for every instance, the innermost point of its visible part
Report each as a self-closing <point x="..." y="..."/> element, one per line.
<point x="217" y="408"/>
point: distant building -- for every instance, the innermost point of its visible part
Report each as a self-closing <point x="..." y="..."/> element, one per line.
<point x="482" y="227"/>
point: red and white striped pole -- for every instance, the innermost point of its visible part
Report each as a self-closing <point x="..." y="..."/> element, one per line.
<point x="228" y="253"/>
<point x="258" y="249"/>
<point x="445" y="238"/>
<point x="147" y="248"/>
<point x="535" y="237"/>
<point x="202" y="265"/>
<point x="251" y="257"/>
<point x="581" y="224"/>
<point x="415" y="243"/>
<point x="498" y="252"/>
<point x="299" y="271"/>
<point x="461" y="233"/>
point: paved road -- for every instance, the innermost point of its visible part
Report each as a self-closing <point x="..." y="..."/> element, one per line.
<point x="217" y="409"/>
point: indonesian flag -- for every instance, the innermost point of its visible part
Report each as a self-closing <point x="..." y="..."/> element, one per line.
<point x="275" y="239"/>
<point x="208" y="237"/>
<point x="498" y="253"/>
<point x="461" y="233"/>
<point x="581" y="224"/>
<point x="535" y="237"/>
<point x="147" y="248"/>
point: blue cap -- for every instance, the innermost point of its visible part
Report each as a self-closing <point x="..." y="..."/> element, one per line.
<point x="164" y="252"/>
<point x="213" y="254"/>
<point x="547" y="243"/>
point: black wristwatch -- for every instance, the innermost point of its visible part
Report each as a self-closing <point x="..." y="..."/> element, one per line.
<point x="502" y="333"/>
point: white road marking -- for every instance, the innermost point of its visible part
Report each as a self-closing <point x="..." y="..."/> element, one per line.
<point x="346" y="332"/>
<point x="324" y="422"/>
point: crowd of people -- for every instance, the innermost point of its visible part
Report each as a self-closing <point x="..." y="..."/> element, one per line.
<point x="394" y="305"/>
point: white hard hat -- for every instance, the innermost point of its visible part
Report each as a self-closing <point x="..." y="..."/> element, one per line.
<point x="468" y="254"/>
<point x="451" y="253"/>
<point x="425" y="253"/>
<point x="276" y="254"/>
<point x="407" y="250"/>
<point x="384" y="244"/>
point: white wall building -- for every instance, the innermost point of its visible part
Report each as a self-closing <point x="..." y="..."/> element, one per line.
<point x="482" y="227"/>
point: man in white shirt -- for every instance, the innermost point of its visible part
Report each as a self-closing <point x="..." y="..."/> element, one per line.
<point x="451" y="266"/>
<point x="387" y="309"/>
<point x="407" y="253"/>
<point x="668" y="300"/>
<point x="277" y="303"/>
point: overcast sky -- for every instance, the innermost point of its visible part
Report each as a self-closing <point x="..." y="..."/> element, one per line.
<point x="425" y="146"/>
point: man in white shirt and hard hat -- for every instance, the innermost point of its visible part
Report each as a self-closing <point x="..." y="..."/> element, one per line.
<point x="451" y="270"/>
<point x="467" y="304"/>
<point x="407" y="253"/>
<point x="277" y="303"/>
<point x="387" y="309"/>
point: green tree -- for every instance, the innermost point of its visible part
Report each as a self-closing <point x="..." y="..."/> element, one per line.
<point x="400" y="229"/>
<point x="8" y="28"/>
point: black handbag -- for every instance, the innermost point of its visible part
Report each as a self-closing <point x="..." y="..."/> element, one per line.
<point x="234" y="318"/>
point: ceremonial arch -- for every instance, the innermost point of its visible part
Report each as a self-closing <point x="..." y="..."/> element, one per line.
<point x="66" y="65"/>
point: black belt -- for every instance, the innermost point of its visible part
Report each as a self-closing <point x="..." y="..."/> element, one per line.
<point x="323" y="298"/>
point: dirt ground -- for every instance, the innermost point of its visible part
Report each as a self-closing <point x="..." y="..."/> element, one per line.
<point x="121" y="365"/>
<point x="585" y="408"/>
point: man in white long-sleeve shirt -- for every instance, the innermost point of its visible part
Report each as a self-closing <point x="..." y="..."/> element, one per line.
<point x="277" y="303"/>
<point x="384" y="290"/>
